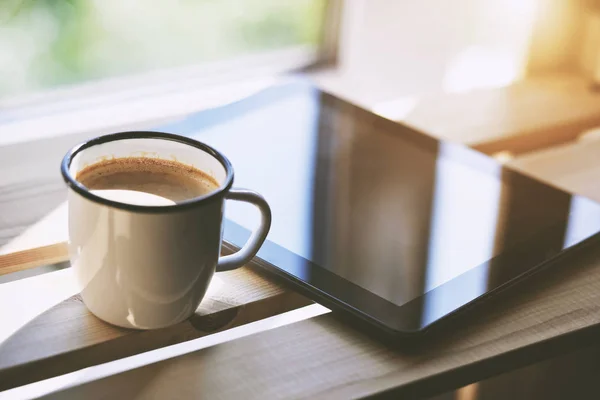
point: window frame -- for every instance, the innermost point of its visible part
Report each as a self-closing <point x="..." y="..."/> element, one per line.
<point x="37" y="115"/>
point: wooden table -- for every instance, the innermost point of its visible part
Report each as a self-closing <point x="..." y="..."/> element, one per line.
<point x="51" y="344"/>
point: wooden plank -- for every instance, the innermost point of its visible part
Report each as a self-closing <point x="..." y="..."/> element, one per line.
<point x="529" y="115"/>
<point x="75" y="339"/>
<point x="574" y="167"/>
<point x="324" y="358"/>
<point x="56" y="334"/>
<point x="20" y="260"/>
<point x="32" y="192"/>
<point x="43" y="243"/>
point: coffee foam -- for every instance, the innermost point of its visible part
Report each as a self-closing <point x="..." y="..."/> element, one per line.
<point x="133" y="197"/>
<point x="170" y="180"/>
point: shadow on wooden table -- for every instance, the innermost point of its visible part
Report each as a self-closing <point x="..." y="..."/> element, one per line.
<point x="570" y="376"/>
<point x="458" y="336"/>
<point x="510" y="331"/>
<point x="322" y="357"/>
<point x="67" y="337"/>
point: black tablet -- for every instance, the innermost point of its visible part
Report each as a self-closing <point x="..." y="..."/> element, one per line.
<point x="378" y="219"/>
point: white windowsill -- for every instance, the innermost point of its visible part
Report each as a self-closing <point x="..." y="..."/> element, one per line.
<point x="143" y="100"/>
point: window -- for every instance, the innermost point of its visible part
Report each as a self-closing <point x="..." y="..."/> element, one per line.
<point x="52" y="43"/>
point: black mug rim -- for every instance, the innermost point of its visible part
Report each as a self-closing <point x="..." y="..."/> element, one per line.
<point x="72" y="183"/>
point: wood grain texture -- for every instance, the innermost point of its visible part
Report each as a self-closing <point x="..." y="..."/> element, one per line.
<point x="526" y="116"/>
<point x="324" y="358"/>
<point x="66" y="337"/>
<point x="20" y="260"/>
<point x="574" y="167"/>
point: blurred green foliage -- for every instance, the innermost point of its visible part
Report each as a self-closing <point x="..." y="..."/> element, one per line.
<point x="46" y="43"/>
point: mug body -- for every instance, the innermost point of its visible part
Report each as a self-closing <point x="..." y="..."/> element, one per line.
<point x="145" y="266"/>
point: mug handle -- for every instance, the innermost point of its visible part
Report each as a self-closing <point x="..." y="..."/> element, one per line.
<point x="245" y="254"/>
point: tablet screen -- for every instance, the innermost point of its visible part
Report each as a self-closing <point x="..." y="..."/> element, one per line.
<point x="389" y="209"/>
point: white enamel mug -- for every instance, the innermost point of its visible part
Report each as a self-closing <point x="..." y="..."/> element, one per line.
<point x="148" y="266"/>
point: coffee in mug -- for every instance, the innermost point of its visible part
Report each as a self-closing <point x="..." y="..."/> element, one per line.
<point x="128" y="178"/>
